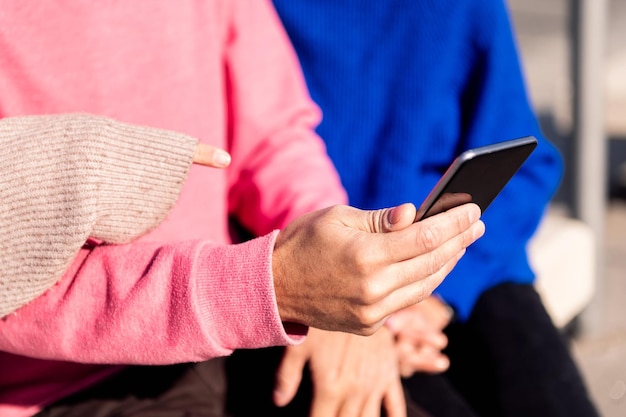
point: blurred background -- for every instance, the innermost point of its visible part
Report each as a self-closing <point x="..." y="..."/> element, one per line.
<point x="574" y="58"/>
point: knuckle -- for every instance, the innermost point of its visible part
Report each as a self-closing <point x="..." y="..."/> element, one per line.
<point x="328" y="214"/>
<point x="360" y="264"/>
<point x="366" y="298"/>
<point x="463" y="240"/>
<point x="463" y="222"/>
<point x="361" y="261"/>
<point x="429" y="236"/>
<point x="373" y="221"/>
<point x="369" y="317"/>
<point x="371" y="291"/>
<point x="367" y="331"/>
<point x="435" y="262"/>
<point x="422" y="291"/>
<point x="328" y="387"/>
<point x="336" y="210"/>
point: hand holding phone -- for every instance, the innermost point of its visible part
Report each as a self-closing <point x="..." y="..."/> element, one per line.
<point x="477" y="175"/>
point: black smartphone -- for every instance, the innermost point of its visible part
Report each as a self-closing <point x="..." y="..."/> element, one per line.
<point x="477" y="175"/>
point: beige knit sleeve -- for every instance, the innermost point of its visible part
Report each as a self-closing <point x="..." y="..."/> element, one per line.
<point x="64" y="178"/>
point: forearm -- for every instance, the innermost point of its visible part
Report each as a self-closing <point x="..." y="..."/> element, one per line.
<point x="153" y="304"/>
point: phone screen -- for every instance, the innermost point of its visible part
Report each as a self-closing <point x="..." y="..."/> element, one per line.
<point x="477" y="175"/>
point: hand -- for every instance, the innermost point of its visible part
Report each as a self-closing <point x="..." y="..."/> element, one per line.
<point x="418" y="330"/>
<point x="211" y="156"/>
<point x="351" y="375"/>
<point x="333" y="269"/>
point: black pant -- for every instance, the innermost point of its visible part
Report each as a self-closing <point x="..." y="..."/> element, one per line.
<point x="508" y="360"/>
<point x="186" y="390"/>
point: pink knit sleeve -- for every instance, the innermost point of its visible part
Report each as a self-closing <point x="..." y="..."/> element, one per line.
<point x="287" y="171"/>
<point x="153" y="304"/>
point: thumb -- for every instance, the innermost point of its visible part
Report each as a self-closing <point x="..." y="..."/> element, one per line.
<point x="392" y="219"/>
<point x="288" y="376"/>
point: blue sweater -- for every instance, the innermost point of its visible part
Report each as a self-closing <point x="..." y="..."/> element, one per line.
<point x="405" y="86"/>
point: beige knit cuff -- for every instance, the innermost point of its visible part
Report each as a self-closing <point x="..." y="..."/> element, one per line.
<point x="67" y="177"/>
<point x="140" y="174"/>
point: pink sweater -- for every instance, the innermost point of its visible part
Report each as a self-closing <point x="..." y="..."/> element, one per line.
<point x="218" y="70"/>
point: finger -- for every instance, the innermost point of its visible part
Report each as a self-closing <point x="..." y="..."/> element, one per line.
<point x="380" y="221"/>
<point x="442" y="259"/>
<point x="425" y="336"/>
<point x="409" y="291"/>
<point x="428" y="235"/>
<point x="324" y="407"/>
<point x="406" y="370"/>
<point x="354" y="406"/>
<point x="438" y="229"/>
<point x="438" y="311"/>
<point x="406" y="352"/>
<point x="394" y="402"/>
<point x="395" y="218"/>
<point x="211" y="156"/>
<point x="420" y="359"/>
<point x="372" y="407"/>
<point x="436" y="339"/>
<point x="409" y="322"/>
<point x="415" y="279"/>
<point x="288" y="377"/>
<point x="432" y="362"/>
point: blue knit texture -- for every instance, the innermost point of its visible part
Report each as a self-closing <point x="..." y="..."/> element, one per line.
<point x="405" y="86"/>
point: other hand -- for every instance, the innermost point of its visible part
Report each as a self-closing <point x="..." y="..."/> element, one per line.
<point x="352" y="375"/>
<point x="418" y="331"/>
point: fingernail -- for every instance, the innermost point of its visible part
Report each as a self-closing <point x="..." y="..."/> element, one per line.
<point x="389" y="324"/>
<point x="394" y="216"/>
<point x="475" y="214"/>
<point x="279" y="398"/>
<point x="479" y="230"/>
<point x="221" y="158"/>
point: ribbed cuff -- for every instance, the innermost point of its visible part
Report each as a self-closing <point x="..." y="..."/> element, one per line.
<point x="235" y="289"/>
<point x="140" y="172"/>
